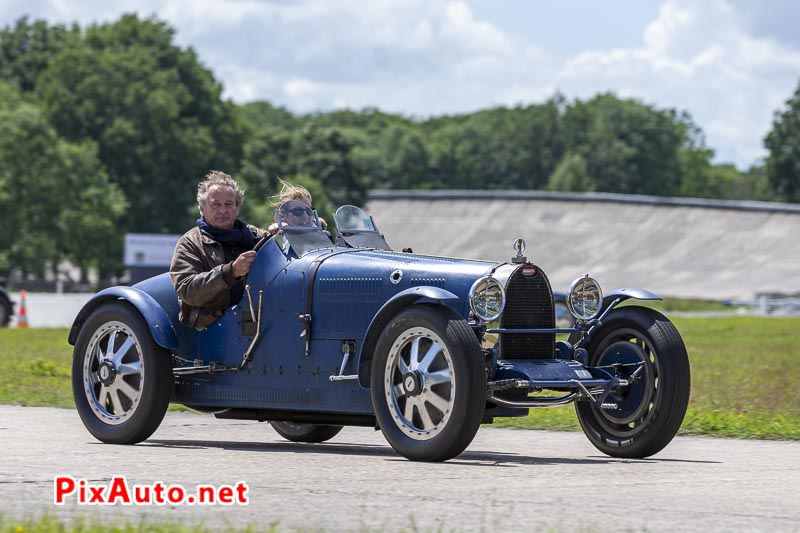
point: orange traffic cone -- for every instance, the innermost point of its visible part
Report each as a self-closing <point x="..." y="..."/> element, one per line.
<point x="22" y="314"/>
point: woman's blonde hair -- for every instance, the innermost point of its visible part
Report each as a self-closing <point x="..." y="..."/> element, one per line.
<point x="292" y="192"/>
<point x="289" y="192"/>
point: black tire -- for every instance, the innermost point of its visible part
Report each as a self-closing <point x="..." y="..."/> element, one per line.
<point x="650" y="411"/>
<point x="430" y="406"/>
<point x="122" y="397"/>
<point x="6" y="310"/>
<point x="299" y="432"/>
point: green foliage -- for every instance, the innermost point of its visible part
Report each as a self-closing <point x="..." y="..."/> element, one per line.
<point x="629" y="147"/>
<point x="571" y="174"/>
<point x="153" y="110"/>
<point x="111" y="132"/>
<point x="394" y="157"/>
<point x="29" y="185"/>
<point x="27" y="48"/>
<point x="322" y="152"/>
<point x="500" y="148"/>
<point x="702" y="179"/>
<point x="716" y="182"/>
<point x="119" y="124"/>
<point x="326" y="154"/>
<point x="56" y="195"/>
<point x="783" y="143"/>
<point x="89" y="227"/>
<point x="754" y="185"/>
<point x="256" y="116"/>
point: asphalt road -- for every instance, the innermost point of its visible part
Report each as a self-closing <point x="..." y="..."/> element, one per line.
<point x="507" y="480"/>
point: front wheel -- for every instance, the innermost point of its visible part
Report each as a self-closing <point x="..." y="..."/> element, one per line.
<point x="121" y="379"/>
<point x="299" y="432"/>
<point x="428" y="383"/>
<point x="641" y="345"/>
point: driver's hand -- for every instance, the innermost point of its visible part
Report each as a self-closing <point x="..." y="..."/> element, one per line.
<point x="242" y="264"/>
<point x="273" y="228"/>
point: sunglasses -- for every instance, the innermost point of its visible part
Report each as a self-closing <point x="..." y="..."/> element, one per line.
<point x="300" y="211"/>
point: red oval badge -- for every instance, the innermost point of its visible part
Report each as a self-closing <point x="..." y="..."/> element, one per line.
<point x="529" y="270"/>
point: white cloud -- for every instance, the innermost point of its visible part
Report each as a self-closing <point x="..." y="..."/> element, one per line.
<point x="673" y="19"/>
<point x="698" y="57"/>
<point x="303" y="94"/>
<point x="410" y="56"/>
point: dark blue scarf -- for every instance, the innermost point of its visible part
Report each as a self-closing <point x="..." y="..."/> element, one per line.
<point x="239" y="235"/>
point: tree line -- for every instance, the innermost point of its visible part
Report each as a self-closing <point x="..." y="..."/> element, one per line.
<point x="107" y="129"/>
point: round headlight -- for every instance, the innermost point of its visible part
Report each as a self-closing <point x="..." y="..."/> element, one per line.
<point x="585" y="298"/>
<point x="487" y="298"/>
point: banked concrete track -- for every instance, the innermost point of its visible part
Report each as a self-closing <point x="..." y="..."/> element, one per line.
<point x="673" y="246"/>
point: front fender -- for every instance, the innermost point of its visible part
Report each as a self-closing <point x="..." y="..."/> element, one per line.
<point x="413" y="295"/>
<point x="626" y="293"/>
<point x="157" y="320"/>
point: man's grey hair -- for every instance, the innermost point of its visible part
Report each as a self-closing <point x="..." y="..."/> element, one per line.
<point x="217" y="177"/>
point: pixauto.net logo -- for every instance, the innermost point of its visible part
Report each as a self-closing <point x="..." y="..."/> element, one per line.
<point x="117" y="491"/>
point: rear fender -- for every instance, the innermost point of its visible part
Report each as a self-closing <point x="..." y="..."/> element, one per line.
<point x="157" y="320"/>
<point x="401" y="300"/>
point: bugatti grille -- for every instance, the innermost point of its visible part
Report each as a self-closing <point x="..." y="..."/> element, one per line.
<point x="529" y="304"/>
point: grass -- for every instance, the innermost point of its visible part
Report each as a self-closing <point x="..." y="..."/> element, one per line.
<point x="50" y="524"/>
<point x="745" y="372"/>
<point x="684" y="305"/>
<point x="35" y="367"/>
<point x="47" y="523"/>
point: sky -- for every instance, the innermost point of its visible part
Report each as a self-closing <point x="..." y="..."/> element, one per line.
<point x="731" y="64"/>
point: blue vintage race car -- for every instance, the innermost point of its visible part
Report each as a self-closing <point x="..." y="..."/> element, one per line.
<point x="425" y="348"/>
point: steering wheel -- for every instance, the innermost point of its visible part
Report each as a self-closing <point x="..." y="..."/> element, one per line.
<point x="262" y="241"/>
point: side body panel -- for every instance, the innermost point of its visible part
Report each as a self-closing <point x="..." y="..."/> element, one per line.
<point x="288" y="374"/>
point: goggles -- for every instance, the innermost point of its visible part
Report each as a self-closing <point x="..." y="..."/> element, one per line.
<point x="299" y="211"/>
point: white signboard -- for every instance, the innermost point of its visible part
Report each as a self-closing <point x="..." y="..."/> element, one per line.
<point x="149" y="249"/>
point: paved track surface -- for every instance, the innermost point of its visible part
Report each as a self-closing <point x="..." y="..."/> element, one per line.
<point x="507" y="480"/>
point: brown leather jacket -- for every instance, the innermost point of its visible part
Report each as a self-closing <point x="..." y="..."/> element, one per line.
<point x="202" y="278"/>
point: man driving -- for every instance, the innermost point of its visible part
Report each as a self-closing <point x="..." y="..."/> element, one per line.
<point x="211" y="258"/>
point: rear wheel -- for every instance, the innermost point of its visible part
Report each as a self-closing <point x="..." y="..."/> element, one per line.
<point x="649" y="412"/>
<point x="428" y="383"/>
<point x="299" y="432"/>
<point x="121" y="379"/>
